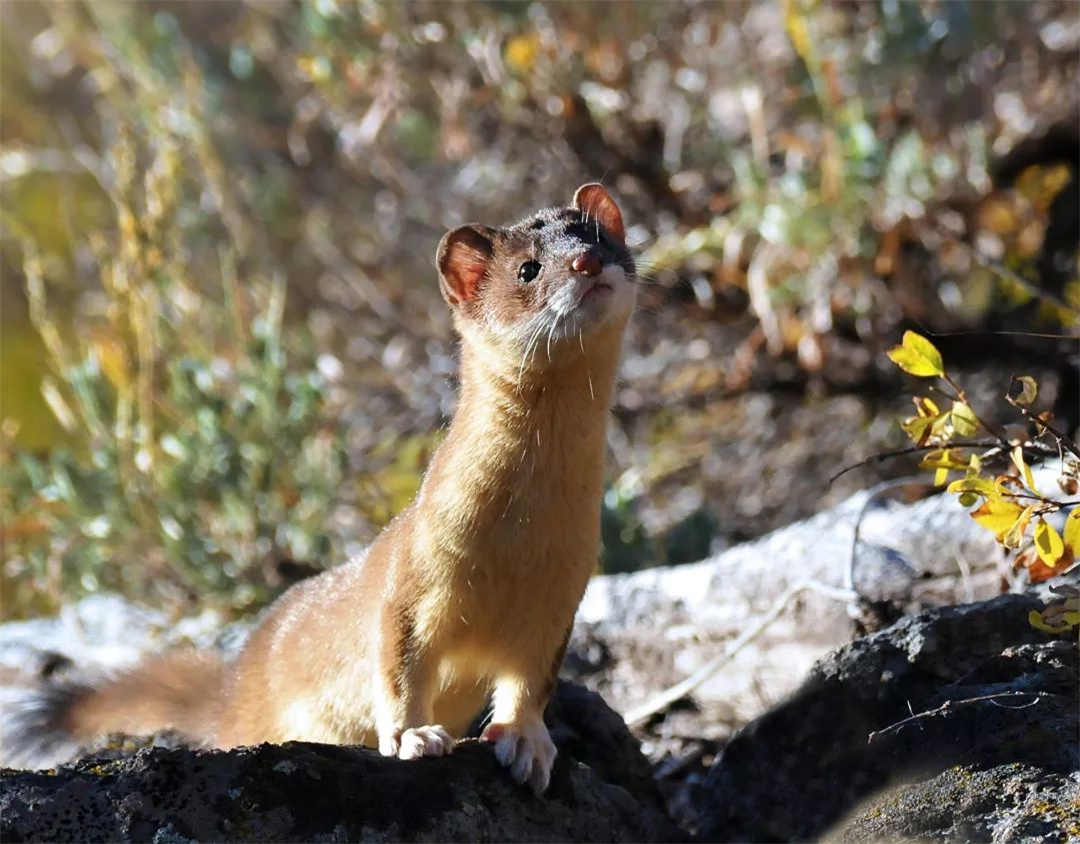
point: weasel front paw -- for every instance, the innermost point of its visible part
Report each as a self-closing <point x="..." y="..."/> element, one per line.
<point x="415" y="742"/>
<point x="526" y="749"/>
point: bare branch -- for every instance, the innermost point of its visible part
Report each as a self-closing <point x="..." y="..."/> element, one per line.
<point x="994" y="445"/>
<point x="950" y="705"/>
<point x="1062" y="437"/>
<point x="680" y="690"/>
<point x="849" y="570"/>
<point x="999" y="433"/>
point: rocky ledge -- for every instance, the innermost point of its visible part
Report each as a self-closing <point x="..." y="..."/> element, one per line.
<point x="601" y="790"/>
<point x="957" y="724"/>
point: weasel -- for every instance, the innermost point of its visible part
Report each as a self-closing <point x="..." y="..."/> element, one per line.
<point x="470" y="592"/>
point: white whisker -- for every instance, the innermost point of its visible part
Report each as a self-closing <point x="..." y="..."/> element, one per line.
<point x="534" y="337"/>
<point x="588" y="369"/>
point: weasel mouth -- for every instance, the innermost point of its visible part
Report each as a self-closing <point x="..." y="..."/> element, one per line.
<point x="598" y="289"/>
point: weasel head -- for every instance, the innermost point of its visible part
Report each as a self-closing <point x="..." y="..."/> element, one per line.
<point x="547" y="282"/>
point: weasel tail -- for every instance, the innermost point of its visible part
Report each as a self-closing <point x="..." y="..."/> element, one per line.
<point x="181" y="691"/>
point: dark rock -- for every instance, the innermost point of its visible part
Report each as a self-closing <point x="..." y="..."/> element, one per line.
<point x="1004" y="803"/>
<point x="968" y="710"/>
<point x="313" y="792"/>
<point x="588" y="730"/>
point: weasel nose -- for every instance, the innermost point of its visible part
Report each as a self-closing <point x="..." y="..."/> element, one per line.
<point x="588" y="264"/>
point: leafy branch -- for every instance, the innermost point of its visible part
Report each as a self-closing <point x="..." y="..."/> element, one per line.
<point x="1010" y="505"/>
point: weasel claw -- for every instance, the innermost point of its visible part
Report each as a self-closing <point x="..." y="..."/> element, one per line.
<point x="416" y="742"/>
<point x="527" y="750"/>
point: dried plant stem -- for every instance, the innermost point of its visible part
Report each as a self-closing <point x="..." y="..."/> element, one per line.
<point x="680" y="690"/>
<point x="1063" y="438"/>
<point x="950" y="705"/>
<point x="993" y="445"/>
<point x="963" y="397"/>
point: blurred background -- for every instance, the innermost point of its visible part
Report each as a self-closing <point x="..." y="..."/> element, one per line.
<point x="224" y="360"/>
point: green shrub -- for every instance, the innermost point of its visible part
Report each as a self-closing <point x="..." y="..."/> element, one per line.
<point x="234" y="463"/>
<point x="198" y="446"/>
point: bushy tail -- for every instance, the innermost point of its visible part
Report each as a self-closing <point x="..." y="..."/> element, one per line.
<point x="182" y="691"/>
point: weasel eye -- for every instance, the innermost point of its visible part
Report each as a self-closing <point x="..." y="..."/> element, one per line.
<point x="528" y="271"/>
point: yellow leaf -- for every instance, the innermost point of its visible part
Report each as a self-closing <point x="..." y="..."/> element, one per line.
<point x="798" y="31"/>
<point x="521" y="52"/>
<point x="1041" y="184"/>
<point x="1048" y="543"/>
<point x="926" y="407"/>
<point x="998" y="213"/>
<point x="977" y="485"/>
<point x="1035" y="619"/>
<point x="1002" y="482"/>
<point x="1014" y="536"/>
<point x="1071" y="536"/>
<point x="942" y="459"/>
<point x="963" y="418"/>
<point x="1055" y="618"/>
<point x="917" y="356"/>
<point x="1017" y="455"/>
<point x="998" y="517"/>
<point x="918" y="429"/>
<point x="1029" y="389"/>
<point x="940" y="428"/>
<point x="110" y="354"/>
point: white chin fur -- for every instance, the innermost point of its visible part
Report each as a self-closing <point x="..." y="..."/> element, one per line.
<point x="568" y="315"/>
<point x="569" y="302"/>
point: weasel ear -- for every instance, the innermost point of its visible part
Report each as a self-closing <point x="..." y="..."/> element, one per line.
<point x="462" y="260"/>
<point x="596" y="203"/>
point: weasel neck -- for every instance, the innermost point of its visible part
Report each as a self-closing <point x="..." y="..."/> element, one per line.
<point x="565" y="396"/>
<point x="526" y="447"/>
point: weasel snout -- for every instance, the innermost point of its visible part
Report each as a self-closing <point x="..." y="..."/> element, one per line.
<point x="588" y="264"/>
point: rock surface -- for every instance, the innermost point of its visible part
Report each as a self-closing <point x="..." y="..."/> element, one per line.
<point x="1004" y="803"/>
<point x="640" y="633"/>
<point x="957" y="724"/>
<point x="312" y="792"/>
<point x="309" y="792"/>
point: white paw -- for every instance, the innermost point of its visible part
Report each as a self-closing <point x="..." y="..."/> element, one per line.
<point x="416" y="742"/>
<point x="526" y="749"/>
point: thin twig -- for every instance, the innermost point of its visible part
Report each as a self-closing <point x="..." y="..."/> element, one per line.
<point x="1037" y="448"/>
<point x="965" y="576"/>
<point x="1062" y="437"/>
<point x="1004" y="272"/>
<point x="962" y="394"/>
<point x="1009" y="275"/>
<point x="680" y="690"/>
<point x="949" y="705"/>
<point x="854" y="608"/>
<point x="983" y="333"/>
